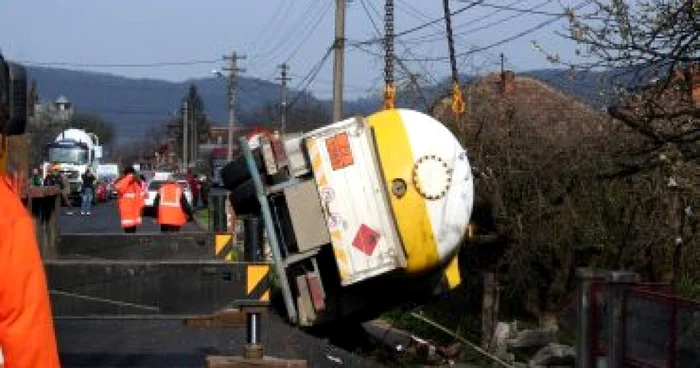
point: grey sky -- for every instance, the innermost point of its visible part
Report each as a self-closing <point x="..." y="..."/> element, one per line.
<point x="85" y="34"/>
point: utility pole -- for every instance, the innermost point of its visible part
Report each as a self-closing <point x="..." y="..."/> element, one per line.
<point x="283" y="78"/>
<point x="185" y="118"/>
<point x="193" y="135"/>
<point x="339" y="61"/>
<point x="503" y="63"/>
<point x="233" y="70"/>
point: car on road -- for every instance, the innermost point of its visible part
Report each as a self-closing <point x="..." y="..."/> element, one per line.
<point x="152" y="191"/>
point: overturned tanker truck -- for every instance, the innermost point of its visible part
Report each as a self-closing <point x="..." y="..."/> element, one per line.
<point x="360" y="215"/>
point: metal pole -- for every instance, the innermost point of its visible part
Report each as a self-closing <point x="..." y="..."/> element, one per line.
<point x="253" y="239"/>
<point x="185" y="114"/>
<point x="584" y="344"/>
<point x="193" y="122"/>
<point x="270" y="229"/>
<point x="339" y="61"/>
<point x="618" y="284"/>
<point x="253" y="243"/>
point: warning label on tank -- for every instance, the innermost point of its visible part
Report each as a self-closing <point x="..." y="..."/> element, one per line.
<point x="366" y="239"/>
<point x="339" y="151"/>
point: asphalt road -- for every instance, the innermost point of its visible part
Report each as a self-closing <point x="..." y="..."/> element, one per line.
<point x="104" y="218"/>
<point x="169" y="343"/>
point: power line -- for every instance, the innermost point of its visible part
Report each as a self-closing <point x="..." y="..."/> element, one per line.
<point x="424" y="25"/>
<point x="410" y="75"/>
<point x="519" y="10"/>
<point x="291" y="32"/>
<point x="110" y="65"/>
<point x="309" y="78"/>
<point x="265" y="32"/>
<point x="503" y="41"/>
<point x="311" y="30"/>
<point x="439" y="35"/>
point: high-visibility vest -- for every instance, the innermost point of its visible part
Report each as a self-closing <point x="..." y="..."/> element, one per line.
<point x="27" y="336"/>
<point x="130" y="200"/>
<point x="170" y="209"/>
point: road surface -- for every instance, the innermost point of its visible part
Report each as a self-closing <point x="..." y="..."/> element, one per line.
<point x="104" y="219"/>
<point x="169" y="343"/>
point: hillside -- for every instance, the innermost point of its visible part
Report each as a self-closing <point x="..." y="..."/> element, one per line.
<point x="133" y="105"/>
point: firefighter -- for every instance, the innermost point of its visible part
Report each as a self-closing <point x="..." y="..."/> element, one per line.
<point x="27" y="337"/>
<point x="172" y="208"/>
<point x="130" y="199"/>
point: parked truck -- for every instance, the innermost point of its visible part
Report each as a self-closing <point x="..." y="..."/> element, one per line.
<point x="74" y="151"/>
<point x="361" y="215"/>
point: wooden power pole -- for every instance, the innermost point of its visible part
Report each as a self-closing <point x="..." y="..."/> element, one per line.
<point x="339" y="62"/>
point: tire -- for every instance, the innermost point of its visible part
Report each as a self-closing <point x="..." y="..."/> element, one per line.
<point x="244" y="199"/>
<point x="17" y="123"/>
<point x="236" y="172"/>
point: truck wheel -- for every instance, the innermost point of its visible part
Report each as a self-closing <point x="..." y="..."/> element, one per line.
<point x="243" y="198"/>
<point x="18" y="99"/>
<point x="236" y="171"/>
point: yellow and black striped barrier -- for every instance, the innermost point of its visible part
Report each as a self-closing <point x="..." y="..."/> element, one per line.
<point x="224" y="247"/>
<point x="258" y="282"/>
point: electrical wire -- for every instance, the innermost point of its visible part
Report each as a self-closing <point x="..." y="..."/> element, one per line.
<point x="424" y="25"/>
<point x="127" y="65"/>
<point x="306" y="81"/>
<point x="519" y="10"/>
<point x="279" y="47"/>
<point x="263" y="35"/>
<point x="439" y="35"/>
<point x="398" y="60"/>
<point x="311" y="30"/>
<point x="479" y="49"/>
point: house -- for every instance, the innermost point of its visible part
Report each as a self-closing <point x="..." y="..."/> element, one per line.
<point x="57" y="112"/>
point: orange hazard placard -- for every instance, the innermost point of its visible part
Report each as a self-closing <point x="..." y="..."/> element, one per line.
<point x="339" y="151"/>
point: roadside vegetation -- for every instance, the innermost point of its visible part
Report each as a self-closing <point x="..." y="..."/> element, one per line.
<point x="561" y="185"/>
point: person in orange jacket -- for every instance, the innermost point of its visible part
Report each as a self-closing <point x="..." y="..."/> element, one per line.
<point x="27" y="336"/>
<point x="172" y="208"/>
<point x="130" y="199"/>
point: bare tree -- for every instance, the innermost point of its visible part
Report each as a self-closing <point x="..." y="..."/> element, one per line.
<point x="655" y="46"/>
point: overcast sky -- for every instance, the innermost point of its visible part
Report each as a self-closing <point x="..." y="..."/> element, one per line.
<point x="119" y="37"/>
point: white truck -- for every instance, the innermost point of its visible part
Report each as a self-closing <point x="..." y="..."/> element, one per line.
<point x="74" y="151"/>
<point x="361" y="215"/>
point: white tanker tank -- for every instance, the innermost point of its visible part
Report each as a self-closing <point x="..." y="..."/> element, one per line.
<point x="73" y="152"/>
<point x="364" y="214"/>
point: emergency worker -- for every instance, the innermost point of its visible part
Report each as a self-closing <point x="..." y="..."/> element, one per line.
<point x="129" y="199"/>
<point x="172" y="208"/>
<point x="27" y="337"/>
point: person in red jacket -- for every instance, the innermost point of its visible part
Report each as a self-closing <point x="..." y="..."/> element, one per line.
<point x="130" y="200"/>
<point x="27" y="336"/>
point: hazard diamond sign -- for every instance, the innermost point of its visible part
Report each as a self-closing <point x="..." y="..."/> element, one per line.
<point x="366" y="239"/>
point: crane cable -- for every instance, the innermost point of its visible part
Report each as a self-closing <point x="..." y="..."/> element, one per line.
<point x="458" y="106"/>
<point x="389" y="88"/>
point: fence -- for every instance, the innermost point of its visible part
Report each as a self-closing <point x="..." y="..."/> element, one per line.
<point x="625" y="323"/>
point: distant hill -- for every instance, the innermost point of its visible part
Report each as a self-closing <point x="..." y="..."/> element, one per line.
<point x="133" y="105"/>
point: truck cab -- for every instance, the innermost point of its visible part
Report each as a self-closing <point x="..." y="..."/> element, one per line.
<point x="74" y="151"/>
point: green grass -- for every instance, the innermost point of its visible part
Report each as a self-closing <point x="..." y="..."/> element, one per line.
<point x="202" y="218"/>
